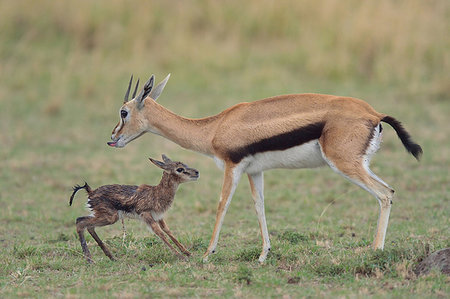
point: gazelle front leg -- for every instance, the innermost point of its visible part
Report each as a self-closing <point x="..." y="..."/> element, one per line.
<point x="257" y="187"/>
<point x="230" y="181"/>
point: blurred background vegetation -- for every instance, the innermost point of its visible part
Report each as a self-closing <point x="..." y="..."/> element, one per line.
<point x="76" y="48"/>
<point x="65" y="65"/>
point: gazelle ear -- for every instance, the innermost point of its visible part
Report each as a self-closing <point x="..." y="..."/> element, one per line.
<point x="145" y="92"/>
<point x="165" y="159"/>
<point x="156" y="92"/>
<point x="160" y="164"/>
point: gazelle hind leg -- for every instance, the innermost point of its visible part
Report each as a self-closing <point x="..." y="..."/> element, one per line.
<point x="374" y="185"/>
<point x="350" y="157"/>
<point x="384" y="195"/>
<point x="257" y="188"/>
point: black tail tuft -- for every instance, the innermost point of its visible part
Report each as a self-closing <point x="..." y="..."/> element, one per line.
<point x="412" y="147"/>
<point x="78" y="187"/>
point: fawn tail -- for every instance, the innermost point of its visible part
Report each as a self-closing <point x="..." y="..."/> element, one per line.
<point x="78" y="187"/>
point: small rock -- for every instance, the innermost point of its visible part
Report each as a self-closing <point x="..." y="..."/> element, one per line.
<point x="439" y="260"/>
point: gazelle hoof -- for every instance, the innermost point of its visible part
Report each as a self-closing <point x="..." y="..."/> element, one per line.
<point x="205" y="258"/>
<point x="262" y="258"/>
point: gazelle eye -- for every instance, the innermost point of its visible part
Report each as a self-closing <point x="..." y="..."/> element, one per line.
<point x="180" y="170"/>
<point x="123" y="113"/>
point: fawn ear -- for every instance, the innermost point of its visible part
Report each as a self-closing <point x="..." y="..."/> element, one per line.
<point x="156" y="92"/>
<point x="166" y="159"/>
<point x="160" y="164"/>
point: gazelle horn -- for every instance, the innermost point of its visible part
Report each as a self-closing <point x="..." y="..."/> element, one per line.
<point x="125" y="99"/>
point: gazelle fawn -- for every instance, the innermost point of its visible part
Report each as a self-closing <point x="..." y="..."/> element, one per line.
<point x="287" y="131"/>
<point x="108" y="203"/>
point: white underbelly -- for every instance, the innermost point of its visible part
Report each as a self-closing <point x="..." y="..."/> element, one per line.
<point x="132" y="215"/>
<point x="307" y="155"/>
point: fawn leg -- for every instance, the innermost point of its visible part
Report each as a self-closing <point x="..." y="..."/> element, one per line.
<point x="91" y="230"/>
<point x="124" y="232"/>
<point x="147" y="217"/>
<point x="81" y="223"/>
<point x="166" y="229"/>
<point x="105" y="219"/>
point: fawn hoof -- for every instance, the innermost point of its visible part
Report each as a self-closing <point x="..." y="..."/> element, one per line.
<point x="183" y="258"/>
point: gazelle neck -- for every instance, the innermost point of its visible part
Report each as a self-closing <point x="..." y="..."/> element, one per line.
<point x="193" y="134"/>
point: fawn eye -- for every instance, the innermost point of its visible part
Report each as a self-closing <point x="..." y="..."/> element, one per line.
<point x="123" y="113"/>
<point x="180" y="170"/>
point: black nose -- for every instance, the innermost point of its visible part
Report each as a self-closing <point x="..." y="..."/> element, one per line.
<point x="196" y="172"/>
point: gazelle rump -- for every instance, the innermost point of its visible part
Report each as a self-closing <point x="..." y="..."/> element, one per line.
<point x="108" y="203"/>
<point x="287" y="131"/>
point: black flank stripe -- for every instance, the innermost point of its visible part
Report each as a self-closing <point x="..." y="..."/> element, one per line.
<point x="279" y="142"/>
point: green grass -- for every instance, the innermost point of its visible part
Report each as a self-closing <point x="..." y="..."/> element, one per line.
<point x="64" y="67"/>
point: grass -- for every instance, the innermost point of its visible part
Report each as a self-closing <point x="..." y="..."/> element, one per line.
<point x="62" y="79"/>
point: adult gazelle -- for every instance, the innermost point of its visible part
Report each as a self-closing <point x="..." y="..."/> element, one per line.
<point x="287" y="131"/>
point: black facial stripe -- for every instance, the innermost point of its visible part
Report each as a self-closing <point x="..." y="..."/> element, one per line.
<point x="279" y="142"/>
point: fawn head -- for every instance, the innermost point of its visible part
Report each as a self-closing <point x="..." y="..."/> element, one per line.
<point x="180" y="170"/>
<point x="133" y="122"/>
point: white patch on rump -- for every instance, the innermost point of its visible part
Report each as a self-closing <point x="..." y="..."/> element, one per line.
<point x="374" y="145"/>
<point x="123" y="214"/>
<point x="307" y="155"/>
